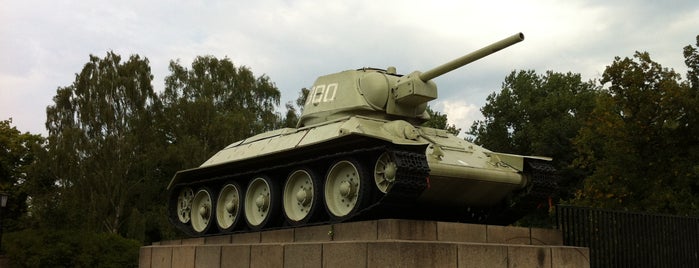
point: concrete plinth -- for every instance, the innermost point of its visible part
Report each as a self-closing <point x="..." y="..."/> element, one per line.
<point x="378" y="243"/>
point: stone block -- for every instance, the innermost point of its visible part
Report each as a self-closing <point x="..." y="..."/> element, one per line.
<point x="355" y="231"/>
<point x="570" y="257"/>
<point x="407" y="230"/>
<point x="266" y="255"/>
<point x="508" y="235"/>
<point x="183" y="256"/>
<point x="246" y="238"/>
<point x="218" y="240"/>
<point x="482" y="255"/>
<point x="320" y="233"/>
<point x="411" y="254"/>
<point x="550" y="237"/>
<point x="345" y="254"/>
<point x="461" y="232"/>
<point x="207" y="257"/>
<point x="171" y="242"/>
<point x="277" y="236"/>
<point x="144" y="257"/>
<point x="529" y="256"/>
<point x="161" y="257"/>
<point x="193" y="241"/>
<point x="235" y="256"/>
<point x="303" y="255"/>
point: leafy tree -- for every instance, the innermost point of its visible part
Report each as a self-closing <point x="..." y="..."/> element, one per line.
<point x="642" y="140"/>
<point x="538" y="115"/>
<point x="211" y="105"/>
<point x="292" y="116"/>
<point x="101" y="141"/>
<point x="439" y="121"/>
<point x="18" y="152"/>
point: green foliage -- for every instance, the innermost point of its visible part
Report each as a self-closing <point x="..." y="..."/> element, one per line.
<point x="642" y="140"/>
<point x="538" y="115"/>
<point x="101" y="141"/>
<point x="70" y="248"/>
<point x="439" y="121"/>
<point x="211" y="105"/>
<point x="18" y="153"/>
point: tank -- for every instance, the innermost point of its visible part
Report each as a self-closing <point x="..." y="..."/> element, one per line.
<point x="359" y="152"/>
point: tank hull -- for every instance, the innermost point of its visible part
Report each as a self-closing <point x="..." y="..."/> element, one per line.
<point x="402" y="171"/>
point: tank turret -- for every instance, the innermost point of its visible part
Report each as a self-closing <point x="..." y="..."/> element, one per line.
<point x="381" y="93"/>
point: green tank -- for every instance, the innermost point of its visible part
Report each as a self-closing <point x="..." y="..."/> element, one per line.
<point x="359" y="152"/>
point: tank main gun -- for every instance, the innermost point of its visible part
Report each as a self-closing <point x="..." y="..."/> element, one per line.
<point x="471" y="57"/>
<point x="415" y="89"/>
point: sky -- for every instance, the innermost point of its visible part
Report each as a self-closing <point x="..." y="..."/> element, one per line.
<point x="43" y="44"/>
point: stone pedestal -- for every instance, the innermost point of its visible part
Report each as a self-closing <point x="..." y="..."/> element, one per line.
<point x="377" y="243"/>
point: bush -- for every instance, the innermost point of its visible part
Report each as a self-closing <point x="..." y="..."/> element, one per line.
<point x="49" y="248"/>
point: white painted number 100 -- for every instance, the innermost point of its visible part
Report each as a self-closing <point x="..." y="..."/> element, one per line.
<point x="323" y="93"/>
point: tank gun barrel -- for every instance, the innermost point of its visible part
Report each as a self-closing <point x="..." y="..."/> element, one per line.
<point x="471" y="57"/>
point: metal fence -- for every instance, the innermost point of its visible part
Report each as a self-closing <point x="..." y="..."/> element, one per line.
<point x="628" y="239"/>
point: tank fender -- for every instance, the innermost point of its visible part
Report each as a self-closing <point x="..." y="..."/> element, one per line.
<point x="513" y="160"/>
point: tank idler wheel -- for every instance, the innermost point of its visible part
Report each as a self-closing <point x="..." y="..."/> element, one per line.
<point x="300" y="196"/>
<point x="260" y="203"/>
<point x="184" y="204"/>
<point x="202" y="211"/>
<point x="228" y="207"/>
<point x="385" y="172"/>
<point x="345" y="189"/>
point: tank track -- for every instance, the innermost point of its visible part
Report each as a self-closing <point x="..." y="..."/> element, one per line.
<point x="543" y="187"/>
<point x="411" y="179"/>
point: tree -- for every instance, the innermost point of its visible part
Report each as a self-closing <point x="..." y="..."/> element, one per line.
<point x="212" y="105"/>
<point x="18" y="152"/>
<point x="642" y="140"/>
<point x="439" y="121"/>
<point x="538" y="115"/>
<point x="101" y="141"/>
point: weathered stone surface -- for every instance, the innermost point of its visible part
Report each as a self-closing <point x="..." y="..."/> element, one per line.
<point x="407" y="230"/>
<point x="528" y="256"/>
<point x="541" y="236"/>
<point x="303" y="255"/>
<point x="570" y="257"/>
<point x="194" y="241"/>
<point x="482" y="255"/>
<point x="320" y="233"/>
<point x="218" y="240"/>
<point x="266" y="255"/>
<point x="245" y="238"/>
<point x="355" y="231"/>
<point x="345" y="254"/>
<point x="235" y="256"/>
<point x="207" y="257"/>
<point x="508" y="235"/>
<point x="411" y="254"/>
<point x="461" y="232"/>
<point x="144" y="257"/>
<point x="183" y="256"/>
<point x="277" y="236"/>
<point x="161" y="257"/>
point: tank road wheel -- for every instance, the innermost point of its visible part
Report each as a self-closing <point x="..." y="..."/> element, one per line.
<point x="184" y="204"/>
<point x="385" y="172"/>
<point x="201" y="211"/>
<point x="228" y="207"/>
<point x="260" y="203"/>
<point x="300" y="196"/>
<point x="344" y="189"/>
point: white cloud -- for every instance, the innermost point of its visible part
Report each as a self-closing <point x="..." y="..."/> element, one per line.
<point x="460" y="113"/>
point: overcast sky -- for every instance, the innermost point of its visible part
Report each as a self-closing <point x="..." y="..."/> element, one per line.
<point x="43" y="44"/>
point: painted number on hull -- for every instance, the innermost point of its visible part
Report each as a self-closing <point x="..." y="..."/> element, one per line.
<point x="323" y="93"/>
